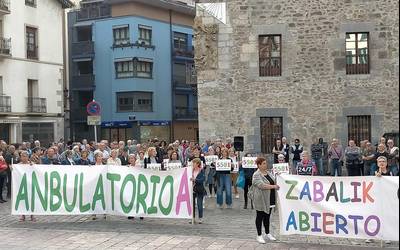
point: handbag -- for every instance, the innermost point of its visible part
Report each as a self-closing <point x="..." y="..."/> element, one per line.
<point x="3" y="167"/>
<point x="240" y="182"/>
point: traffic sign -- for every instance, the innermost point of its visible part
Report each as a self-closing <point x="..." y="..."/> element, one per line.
<point x="93" y="108"/>
<point x="93" y="120"/>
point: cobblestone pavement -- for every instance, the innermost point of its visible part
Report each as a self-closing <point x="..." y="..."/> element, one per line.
<point x="221" y="229"/>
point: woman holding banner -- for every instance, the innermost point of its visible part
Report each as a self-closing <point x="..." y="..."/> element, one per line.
<point x="199" y="191"/>
<point x="114" y="160"/>
<point x="263" y="194"/>
<point x="224" y="182"/>
<point x="151" y="157"/>
<point x="212" y="174"/>
<point x="24" y="160"/>
<point x="248" y="175"/>
<point x="3" y="176"/>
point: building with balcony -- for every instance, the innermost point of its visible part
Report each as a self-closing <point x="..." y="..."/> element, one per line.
<point x="32" y="70"/>
<point x="124" y="62"/>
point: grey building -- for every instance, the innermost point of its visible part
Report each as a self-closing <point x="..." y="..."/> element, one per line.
<point x="300" y="69"/>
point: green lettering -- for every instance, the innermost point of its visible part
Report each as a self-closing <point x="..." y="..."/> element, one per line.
<point x="112" y="178"/>
<point x="55" y="191"/>
<point x="155" y="180"/>
<point x="82" y="207"/>
<point x="36" y="189"/>
<point x="22" y="193"/>
<point x="99" y="194"/>
<point x="141" y="197"/>
<point x="67" y="206"/>
<point x="303" y="221"/>
<point x="128" y="178"/>
<point x="167" y="210"/>
<point x="292" y="186"/>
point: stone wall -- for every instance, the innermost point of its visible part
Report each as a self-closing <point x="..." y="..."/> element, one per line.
<point x="313" y="95"/>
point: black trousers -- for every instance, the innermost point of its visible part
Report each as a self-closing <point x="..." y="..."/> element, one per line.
<point x="247" y="184"/>
<point x="8" y="183"/>
<point x="354" y="171"/>
<point x="3" y="177"/>
<point x="262" y="218"/>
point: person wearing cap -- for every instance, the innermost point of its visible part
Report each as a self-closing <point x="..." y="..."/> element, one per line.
<point x="296" y="150"/>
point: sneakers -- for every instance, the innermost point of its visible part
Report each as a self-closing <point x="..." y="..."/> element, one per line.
<point x="237" y="196"/>
<point x="200" y="221"/>
<point x="229" y="206"/>
<point x="260" y="239"/>
<point x="270" y="237"/>
<point x="388" y="242"/>
<point x="369" y="241"/>
<point x="209" y="196"/>
<point x="220" y="206"/>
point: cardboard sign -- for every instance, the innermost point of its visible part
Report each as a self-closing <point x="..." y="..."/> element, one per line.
<point x="235" y="167"/>
<point x="171" y="166"/>
<point x="223" y="165"/>
<point x="154" y="166"/>
<point x="211" y="159"/>
<point x="249" y="162"/>
<point x="280" y="168"/>
<point x="304" y="170"/>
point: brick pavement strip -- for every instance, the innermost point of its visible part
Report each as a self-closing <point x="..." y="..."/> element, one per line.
<point x="221" y="229"/>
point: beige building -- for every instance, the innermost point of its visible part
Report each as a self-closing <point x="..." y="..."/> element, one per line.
<point x="300" y="69"/>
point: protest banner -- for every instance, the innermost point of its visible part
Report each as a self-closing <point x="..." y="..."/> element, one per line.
<point x="223" y="165"/>
<point x="363" y="207"/>
<point x="249" y="162"/>
<point x="171" y="166"/>
<point x="282" y="168"/>
<point x="67" y="190"/>
<point x="211" y="159"/>
<point x="154" y="166"/>
<point x="235" y="165"/>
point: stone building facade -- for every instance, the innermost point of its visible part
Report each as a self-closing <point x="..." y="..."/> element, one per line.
<point x="314" y="95"/>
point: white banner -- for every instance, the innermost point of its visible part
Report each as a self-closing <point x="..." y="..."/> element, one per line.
<point x="249" y="162"/>
<point x="118" y="190"/>
<point x="363" y="207"/>
<point x="280" y="168"/>
<point x="223" y="165"/>
<point x="211" y="159"/>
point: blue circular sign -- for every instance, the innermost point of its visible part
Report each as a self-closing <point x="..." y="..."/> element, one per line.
<point x="93" y="108"/>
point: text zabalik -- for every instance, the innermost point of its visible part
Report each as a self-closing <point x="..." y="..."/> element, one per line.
<point x="119" y="190"/>
<point x="347" y="207"/>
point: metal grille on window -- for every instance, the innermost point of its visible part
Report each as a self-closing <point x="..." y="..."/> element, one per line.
<point x="121" y="36"/>
<point x="270" y="55"/>
<point x="145" y="35"/>
<point x="357" y="54"/>
<point x="359" y="128"/>
<point x="271" y="129"/>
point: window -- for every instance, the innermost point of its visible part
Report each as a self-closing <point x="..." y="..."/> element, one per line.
<point x="144" y="35"/>
<point x="121" y="35"/>
<point x="359" y="128"/>
<point x="357" y="56"/>
<point x="33" y="88"/>
<point x="31" y="43"/>
<point x="180" y="41"/>
<point x="179" y="73"/>
<point x="271" y="129"/>
<point x="144" y="69"/>
<point x="270" y="55"/>
<point x="135" y="102"/>
<point x="1" y="86"/>
<point x="124" y="69"/>
<point x="31" y="3"/>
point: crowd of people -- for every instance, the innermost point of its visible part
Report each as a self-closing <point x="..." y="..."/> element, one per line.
<point x="259" y="185"/>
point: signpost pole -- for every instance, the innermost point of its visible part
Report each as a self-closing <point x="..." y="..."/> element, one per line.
<point x="95" y="133"/>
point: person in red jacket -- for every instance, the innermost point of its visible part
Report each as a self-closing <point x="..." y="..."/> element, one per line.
<point x="3" y="176"/>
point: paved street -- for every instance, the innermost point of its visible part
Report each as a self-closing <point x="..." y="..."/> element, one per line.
<point x="222" y="229"/>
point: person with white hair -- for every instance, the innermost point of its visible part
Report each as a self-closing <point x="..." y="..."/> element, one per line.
<point x="113" y="159"/>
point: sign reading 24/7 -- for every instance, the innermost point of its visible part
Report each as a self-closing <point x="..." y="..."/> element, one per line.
<point x="93" y="108"/>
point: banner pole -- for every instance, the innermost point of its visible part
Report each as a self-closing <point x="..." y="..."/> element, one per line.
<point x="95" y="133"/>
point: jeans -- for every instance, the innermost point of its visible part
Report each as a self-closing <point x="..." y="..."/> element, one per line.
<point x="336" y="166"/>
<point x="394" y="169"/>
<point x="373" y="169"/>
<point x="224" y="183"/>
<point x="320" y="166"/>
<point x="199" y="203"/>
<point x="294" y="166"/>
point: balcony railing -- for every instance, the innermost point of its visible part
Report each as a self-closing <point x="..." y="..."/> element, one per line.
<point x="5" y="46"/>
<point x="185" y="113"/>
<point x="5" y="103"/>
<point x="183" y="53"/>
<point x="83" y="82"/>
<point x="32" y="52"/>
<point x="4" y="7"/>
<point x="93" y="12"/>
<point x="82" y="49"/>
<point x="36" y="105"/>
